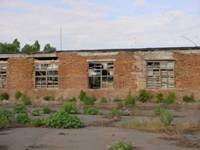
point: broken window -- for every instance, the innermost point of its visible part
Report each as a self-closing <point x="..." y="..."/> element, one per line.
<point x="46" y="74"/>
<point x="3" y="74"/>
<point x="160" y="74"/>
<point x="101" y="75"/>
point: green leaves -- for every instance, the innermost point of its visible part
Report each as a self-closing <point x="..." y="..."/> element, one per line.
<point x="64" y="120"/>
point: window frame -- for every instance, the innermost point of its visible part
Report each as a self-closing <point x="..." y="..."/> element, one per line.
<point x="103" y="84"/>
<point x="160" y="76"/>
<point x="3" y="83"/>
<point x="46" y="72"/>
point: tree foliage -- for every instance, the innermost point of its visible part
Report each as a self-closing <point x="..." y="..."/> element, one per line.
<point x="9" y="48"/>
<point x="31" y="48"/>
<point x="14" y="47"/>
<point x="49" y="48"/>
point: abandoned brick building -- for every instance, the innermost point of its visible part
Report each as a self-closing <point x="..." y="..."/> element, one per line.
<point x="102" y="73"/>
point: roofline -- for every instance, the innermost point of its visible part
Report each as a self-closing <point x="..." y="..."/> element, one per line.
<point x="132" y="49"/>
<point x="53" y="54"/>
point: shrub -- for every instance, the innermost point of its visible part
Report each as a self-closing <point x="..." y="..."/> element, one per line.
<point x="73" y="100"/>
<point x="20" y="108"/>
<point x="120" y="146"/>
<point x="166" y="117"/>
<point x="63" y="120"/>
<point x="189" y="99"/>
<point x="158" y="110"/>
<point x="85" y="99"/>
<point x="89" y="100"/>
<point x="144" y="96"/>
<point x="120" y="105"/>
<point x="5" y="117"/>
<point x="129" y="100"/>
<point x="115" y="113"/>
<point x="4" y="96"/>
<point x="160" y="98"/>
<point x="36" y="113"/>
<point x="91" y="111"/>
<point x="70" y="108"/>
<point x="117" y="100"/>
<point x="82" y="95"/>
<point x="38" y="122"/>
<point x="7" y="113"/>
<point x="49" y="98"/>
<point x="4" y="122"/>
<point x="103" y="100"/>
<point x="18" y="95"/>
<point x="26" y="100"/>
<point x="170" y="99"/>
<point x="46" y="110"/>
<point x="23" y="118"/>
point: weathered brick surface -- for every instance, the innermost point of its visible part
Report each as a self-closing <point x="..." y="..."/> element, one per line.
<point x="20" y="74"/>
<point x="129" y="74"/>
<point x="187" y="70"/>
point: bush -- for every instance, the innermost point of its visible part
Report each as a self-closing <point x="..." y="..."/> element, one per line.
<point x="120" y="146"/>
<point x="63" y="120"/>
<point x="73" y="100"/>
<point x="82" y="95"/>
<point x="115" y="113"/>
<point x="129" y="100"/>
<point x="70" y="108"/>
<point x="89" y="100"/>
<point x="38" y="122"/>
<point x="4" y="122"/>
<point x="170" y="99"/>
<point x="23" y="118"/>
<point x="144" y="96"/>
<point x="5" y="117"/>
<point x="85" y="99"/>
<point x="46" y="110"/>
<point x="36" y="113"/>
<point x="189" y="99"/>
<point x="117" y="100"/>
<point x="4" y="96"/>
<point x="158" y="110"/>
<point x="26" y="100"/>
<point x="91" y="111"/>
<point x="49" y="98"/>
<point x="20" y="108"/>
<point x="160" y="98"/>
<point x="18" y="95"/>
<point x="166" y="117"/>
<point x="103" y="100"/>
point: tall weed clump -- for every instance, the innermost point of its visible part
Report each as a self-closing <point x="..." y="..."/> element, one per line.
<point x="86" y="99"/>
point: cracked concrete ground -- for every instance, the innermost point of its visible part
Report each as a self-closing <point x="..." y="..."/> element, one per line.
<point x="89" y="138"/>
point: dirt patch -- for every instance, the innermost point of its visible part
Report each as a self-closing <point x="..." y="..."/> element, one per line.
<point x="36" y="147"/>
<point x="3" y="147"/>
<point x="187" y="143"/>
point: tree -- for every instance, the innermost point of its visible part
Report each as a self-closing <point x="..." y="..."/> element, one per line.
<point x="36" y="46"/>
<point x="29" y="49"/>
<point x="9" y="48"/>
<point x="16" y="43"/>
<point x="49" y="48"/>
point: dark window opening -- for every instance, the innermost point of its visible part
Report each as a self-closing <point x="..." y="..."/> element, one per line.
<point x="101" y="75"/>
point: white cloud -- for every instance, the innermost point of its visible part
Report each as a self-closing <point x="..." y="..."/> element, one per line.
<point x="85" y="26"/>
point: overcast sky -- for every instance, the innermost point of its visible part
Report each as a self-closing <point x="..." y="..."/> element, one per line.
<point x="91" y="24"/>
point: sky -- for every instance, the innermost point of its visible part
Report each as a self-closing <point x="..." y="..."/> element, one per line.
<point x="101" y="24"/>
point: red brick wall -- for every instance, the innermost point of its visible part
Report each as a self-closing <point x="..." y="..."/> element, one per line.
<point x="20" y="74"/>
<point x="73" y="75"/>
<point x="187" y="70"/>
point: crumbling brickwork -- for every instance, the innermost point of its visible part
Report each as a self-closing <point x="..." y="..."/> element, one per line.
<point x="20" y="74"/>
<point x="129" y="73"/>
